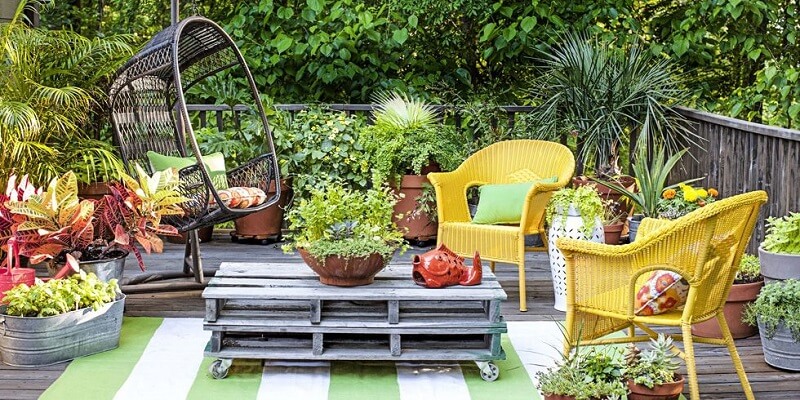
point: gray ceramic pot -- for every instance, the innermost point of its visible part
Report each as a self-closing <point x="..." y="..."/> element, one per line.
<point x="778" y="266"/>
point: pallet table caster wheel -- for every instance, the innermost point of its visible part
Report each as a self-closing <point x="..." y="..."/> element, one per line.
<point x="219" y="368"/>
<point x="489" y="371"/>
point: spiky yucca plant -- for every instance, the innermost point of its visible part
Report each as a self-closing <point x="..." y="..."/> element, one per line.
<point x="399" y="111"/>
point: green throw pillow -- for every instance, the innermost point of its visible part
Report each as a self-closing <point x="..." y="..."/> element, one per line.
<point x="215" y="163"/>
<point x="502" y="203"/>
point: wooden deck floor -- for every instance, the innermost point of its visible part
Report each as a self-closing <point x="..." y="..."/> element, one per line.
<point x="717" y="378"/>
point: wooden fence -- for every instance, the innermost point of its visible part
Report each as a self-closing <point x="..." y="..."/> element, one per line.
<point x="734" y="156"/>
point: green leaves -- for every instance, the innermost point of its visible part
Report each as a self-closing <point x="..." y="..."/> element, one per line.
<point x="58" y="296"/>
<point x="783" y="234"/>
<point x="400" y="36"/>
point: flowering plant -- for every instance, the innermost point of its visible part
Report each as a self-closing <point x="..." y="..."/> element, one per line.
<point x="678" y="202"/>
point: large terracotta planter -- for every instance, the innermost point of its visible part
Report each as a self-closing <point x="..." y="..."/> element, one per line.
<point x="738" y="298"/>
<point x="93" y="191"/>
<point x="340" y="271"/>
<point x="667" y="391"/>
<point x="204" y="234"/>
<point x="266" y="223"/>
<point x="417" y="226"/>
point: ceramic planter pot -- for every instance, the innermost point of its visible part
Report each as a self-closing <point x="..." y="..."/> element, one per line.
<point x="778" y="266"/>
<point x="341" y="271"/>
<point x="667" y="391"/>
<point x="37" y="341"/>
<point x="738" y="298"/>
<point x="613" y="232"/>
<point x="416" y="226"/>
<point x="569" y="227"/>
<point x="781" y="351"/>
<point x="633" y="226"/>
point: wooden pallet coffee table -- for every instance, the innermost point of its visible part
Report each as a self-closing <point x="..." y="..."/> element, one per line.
<point x="282" y="312"/>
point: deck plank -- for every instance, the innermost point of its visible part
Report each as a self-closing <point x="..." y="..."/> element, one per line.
<point x="718" y="380"/>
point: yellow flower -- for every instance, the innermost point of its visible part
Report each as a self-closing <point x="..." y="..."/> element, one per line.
<point x="689" y="194"/>
<point x="701" y="193"/>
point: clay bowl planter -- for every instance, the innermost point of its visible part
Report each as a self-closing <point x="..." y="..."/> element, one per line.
<point x="266" y="223"/>
<point x="667" y="391"/>
<point x="341" y="271"/>
<point x="739" y="297"/>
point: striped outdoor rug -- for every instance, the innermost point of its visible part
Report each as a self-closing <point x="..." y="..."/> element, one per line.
<point x="163" y="359"/>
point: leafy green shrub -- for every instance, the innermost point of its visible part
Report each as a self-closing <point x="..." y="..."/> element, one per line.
<point x="654" y="367"/>
<point x="749" y="270"/>
<point x="58" y="296"/>
<point x="584" y="199"/>
<point x="407" y="138"/>
<point x="778" y="303"/>
<point x="339" y="221"/>
<point x="594" y="374"/>
<point x="783" y="234"/>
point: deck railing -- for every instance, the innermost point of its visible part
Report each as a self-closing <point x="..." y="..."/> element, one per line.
<point x="735" y="156"/>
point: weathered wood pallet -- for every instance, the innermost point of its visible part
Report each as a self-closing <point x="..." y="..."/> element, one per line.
<point x="282" y="311"/>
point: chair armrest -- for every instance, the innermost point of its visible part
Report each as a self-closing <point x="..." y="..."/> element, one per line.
<point x="535" y="204"/>
<point x="451" y="195"/>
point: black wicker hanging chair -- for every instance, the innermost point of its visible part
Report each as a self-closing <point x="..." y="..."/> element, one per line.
<point x="149" y="113"/>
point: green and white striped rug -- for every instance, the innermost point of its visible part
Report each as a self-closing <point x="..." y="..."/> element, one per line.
<point x="163" y="359"/>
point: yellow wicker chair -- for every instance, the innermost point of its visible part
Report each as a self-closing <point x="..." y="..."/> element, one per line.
<point x="704" y="247"/>
<point x="503" y="162"/>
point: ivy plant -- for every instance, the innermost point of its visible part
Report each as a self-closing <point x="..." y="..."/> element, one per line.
<point x="58" y="296"/>
<point x="777" y="304"/>
<point x="583" y="199"/>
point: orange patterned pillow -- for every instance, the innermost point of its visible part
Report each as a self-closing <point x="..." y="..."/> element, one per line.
<point x="241" y="197"/>
<point x="663" y="291"/>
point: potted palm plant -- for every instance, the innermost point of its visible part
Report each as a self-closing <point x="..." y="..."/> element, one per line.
<point x="345" y="236"/>
<point x="776" y="312"/>
<point x="745" y="289"/>
<point x="61" y="319"/>
<point x="573" y="213"/>
<point x="405" y="143"/>
<point x="652" y="375"/>
<point x="780" y="251"/>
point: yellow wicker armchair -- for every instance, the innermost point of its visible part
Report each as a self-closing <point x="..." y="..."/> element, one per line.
<point x="510" y="161"/>
<point x="704" y="247"/>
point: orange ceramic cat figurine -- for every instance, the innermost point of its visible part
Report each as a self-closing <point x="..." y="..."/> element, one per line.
<point x="441" y="267"/>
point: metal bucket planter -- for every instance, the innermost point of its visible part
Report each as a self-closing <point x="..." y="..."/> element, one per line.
<point x="106" y="269"/>
<point x="782" y="351"/>
<point x="34" y="341"/>
<point x="778" y="266"/>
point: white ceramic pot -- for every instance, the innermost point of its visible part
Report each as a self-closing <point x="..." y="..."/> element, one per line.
<point x="569" y="227"/>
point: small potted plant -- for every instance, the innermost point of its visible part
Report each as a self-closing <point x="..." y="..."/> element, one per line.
<point x="592" y="374"/>
<point x="613" y="221"/>
<point x="95" y="235"/>
<point x="345" y="236"/>
<point x="61" y="319"/>
<point x="653" y="374"/>
<point x="780" y="251"/>
<point x="573" y="213"/>
<point x="776" y="311"/>
<point x="405" y="143"/>
<point x="745" y="289"/>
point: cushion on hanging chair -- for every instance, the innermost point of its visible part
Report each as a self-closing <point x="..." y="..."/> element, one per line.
<point x="215" y="163"/>
<point x="241" y="197"/>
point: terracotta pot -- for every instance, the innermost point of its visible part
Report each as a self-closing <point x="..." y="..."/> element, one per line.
<point x="419" y="226"/>
<point x="667" y="391"/>
<point x="613" y="232"/>
<point x="16" y="277"/>
<point x="339" y="271"/>
<point x="94" y="191"/>
<point x="204" y="234"/>
<point x="738" y="298"/>
<point x="267" y="222"/>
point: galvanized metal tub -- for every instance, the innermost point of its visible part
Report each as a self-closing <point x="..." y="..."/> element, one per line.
<point x="105" y="269"/>
<point x="34" y="341"/>
<point x="780" y="351"/>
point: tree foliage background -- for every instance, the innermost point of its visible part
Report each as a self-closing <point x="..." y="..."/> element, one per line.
<point x="742" y="55"/>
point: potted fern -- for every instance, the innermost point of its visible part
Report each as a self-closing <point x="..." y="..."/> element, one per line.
<point x="61" y="319"/>
<point x="653" y="374"/>
<point x="780" y="251"/>
<point x="405" y="143"/>
<point x="573" y="213"/>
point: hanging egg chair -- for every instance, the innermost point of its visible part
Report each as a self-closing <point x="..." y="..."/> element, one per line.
<point x="151" y="121"/>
